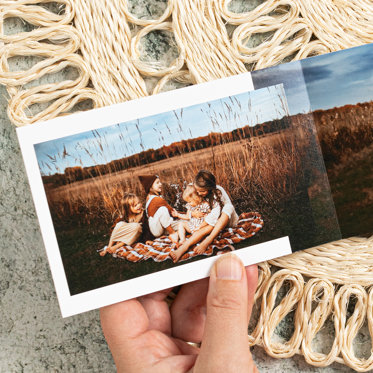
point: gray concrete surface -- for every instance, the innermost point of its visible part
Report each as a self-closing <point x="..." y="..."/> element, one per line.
<point x="33" y="336"/>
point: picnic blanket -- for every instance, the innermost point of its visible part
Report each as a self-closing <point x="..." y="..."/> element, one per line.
<point x="248" y="225"/>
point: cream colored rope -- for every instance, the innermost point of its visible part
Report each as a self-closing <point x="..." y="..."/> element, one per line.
<point x="103" y="41"/>
<point x="201" y="30"/>
<point x="324" y="280"/>
<point x="106" y="39"/>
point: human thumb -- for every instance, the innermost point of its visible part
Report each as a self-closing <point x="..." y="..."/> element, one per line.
<point x="229" y="303"/>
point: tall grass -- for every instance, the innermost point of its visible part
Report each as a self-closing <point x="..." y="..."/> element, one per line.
<point x="259" y="173"/>
<point x="344" y="131"/>
<point x="346" y="137"/>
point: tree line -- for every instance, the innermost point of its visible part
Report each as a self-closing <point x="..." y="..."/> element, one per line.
<point x="78" y="173"/>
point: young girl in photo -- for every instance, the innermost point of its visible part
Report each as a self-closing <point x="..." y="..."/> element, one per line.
<point x="158" y="211"/>
<point x="129" y="228"/>
<point x="197" y="208"/>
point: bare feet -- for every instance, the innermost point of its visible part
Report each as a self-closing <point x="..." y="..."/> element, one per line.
<point x="177" y="254"/>
<point x="103" y="251"/>
<point x="201" y="248"/>
<point x="173" y="256"/>
<point x="110" y="250"/>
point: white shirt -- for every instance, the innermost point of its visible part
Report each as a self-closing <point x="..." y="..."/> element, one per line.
<point x="228" y="208"/>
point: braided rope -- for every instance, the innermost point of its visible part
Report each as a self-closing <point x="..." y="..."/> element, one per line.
<point x="103" y="42"/>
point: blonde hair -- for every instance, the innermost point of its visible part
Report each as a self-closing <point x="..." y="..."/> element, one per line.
<point x="129" y="200"/>
<point x="190" y="192"/>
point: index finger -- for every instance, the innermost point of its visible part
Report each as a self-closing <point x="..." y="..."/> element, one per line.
<point x="189" y="311"/>
<point x="123" y="321"/>
<point x="157" y="311"/>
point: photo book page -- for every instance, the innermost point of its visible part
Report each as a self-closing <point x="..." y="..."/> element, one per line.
<point x="141" y="196"/>
<point x="340" y="91"/>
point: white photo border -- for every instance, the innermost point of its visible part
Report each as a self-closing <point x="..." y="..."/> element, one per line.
<point x="85" y="121"/>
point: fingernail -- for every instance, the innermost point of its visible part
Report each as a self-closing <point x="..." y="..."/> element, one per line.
<point x="229" y="267"/>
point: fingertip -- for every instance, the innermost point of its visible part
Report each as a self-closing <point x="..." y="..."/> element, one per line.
<point x="252" y="273"/>
<point x="252" y="279"/>
<point x="229" y="267"/>
<point x="225" y="335"/>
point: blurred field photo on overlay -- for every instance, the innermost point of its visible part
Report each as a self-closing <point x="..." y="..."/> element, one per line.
<point x="340" y="90"/>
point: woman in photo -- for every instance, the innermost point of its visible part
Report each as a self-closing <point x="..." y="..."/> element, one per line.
<point x="222" y="214"/>
<point x="158" y="211"/>
<point x="129" y="228"/>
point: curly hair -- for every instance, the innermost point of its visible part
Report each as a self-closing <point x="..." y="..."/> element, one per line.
<point x="206" y="180"/>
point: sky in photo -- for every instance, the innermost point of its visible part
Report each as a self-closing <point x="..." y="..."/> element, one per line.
<point x="124" y="139"/>
<point x="291" y="76"/>
<point x="331" y="80"/>
<point x="340" y="78"/>
<point x="322" y="82"/>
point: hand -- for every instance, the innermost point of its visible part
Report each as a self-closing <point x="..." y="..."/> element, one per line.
<point x="198" y="214"/>
<point x="174" y="213"/>
<point x="144" y="335"/>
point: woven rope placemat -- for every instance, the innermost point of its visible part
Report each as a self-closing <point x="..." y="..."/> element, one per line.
<point x="208" y="39"/>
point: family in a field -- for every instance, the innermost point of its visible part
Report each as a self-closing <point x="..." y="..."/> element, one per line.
<point x="209" y="211"/>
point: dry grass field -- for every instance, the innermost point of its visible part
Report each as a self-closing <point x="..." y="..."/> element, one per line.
<point x="280" y="175"/>
<point x="258" y="172"/>
<point x="346" y="138"/>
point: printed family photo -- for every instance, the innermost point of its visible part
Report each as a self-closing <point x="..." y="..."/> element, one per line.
<point x="165" y="190"/>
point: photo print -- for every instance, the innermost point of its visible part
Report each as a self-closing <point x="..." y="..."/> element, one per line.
<point x="141" y="196"/>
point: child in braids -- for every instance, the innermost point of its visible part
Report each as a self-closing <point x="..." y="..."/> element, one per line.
<point x="158" y="211"/>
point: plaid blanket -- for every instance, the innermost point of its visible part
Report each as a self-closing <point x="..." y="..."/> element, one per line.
<point x="248" y="225"/>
